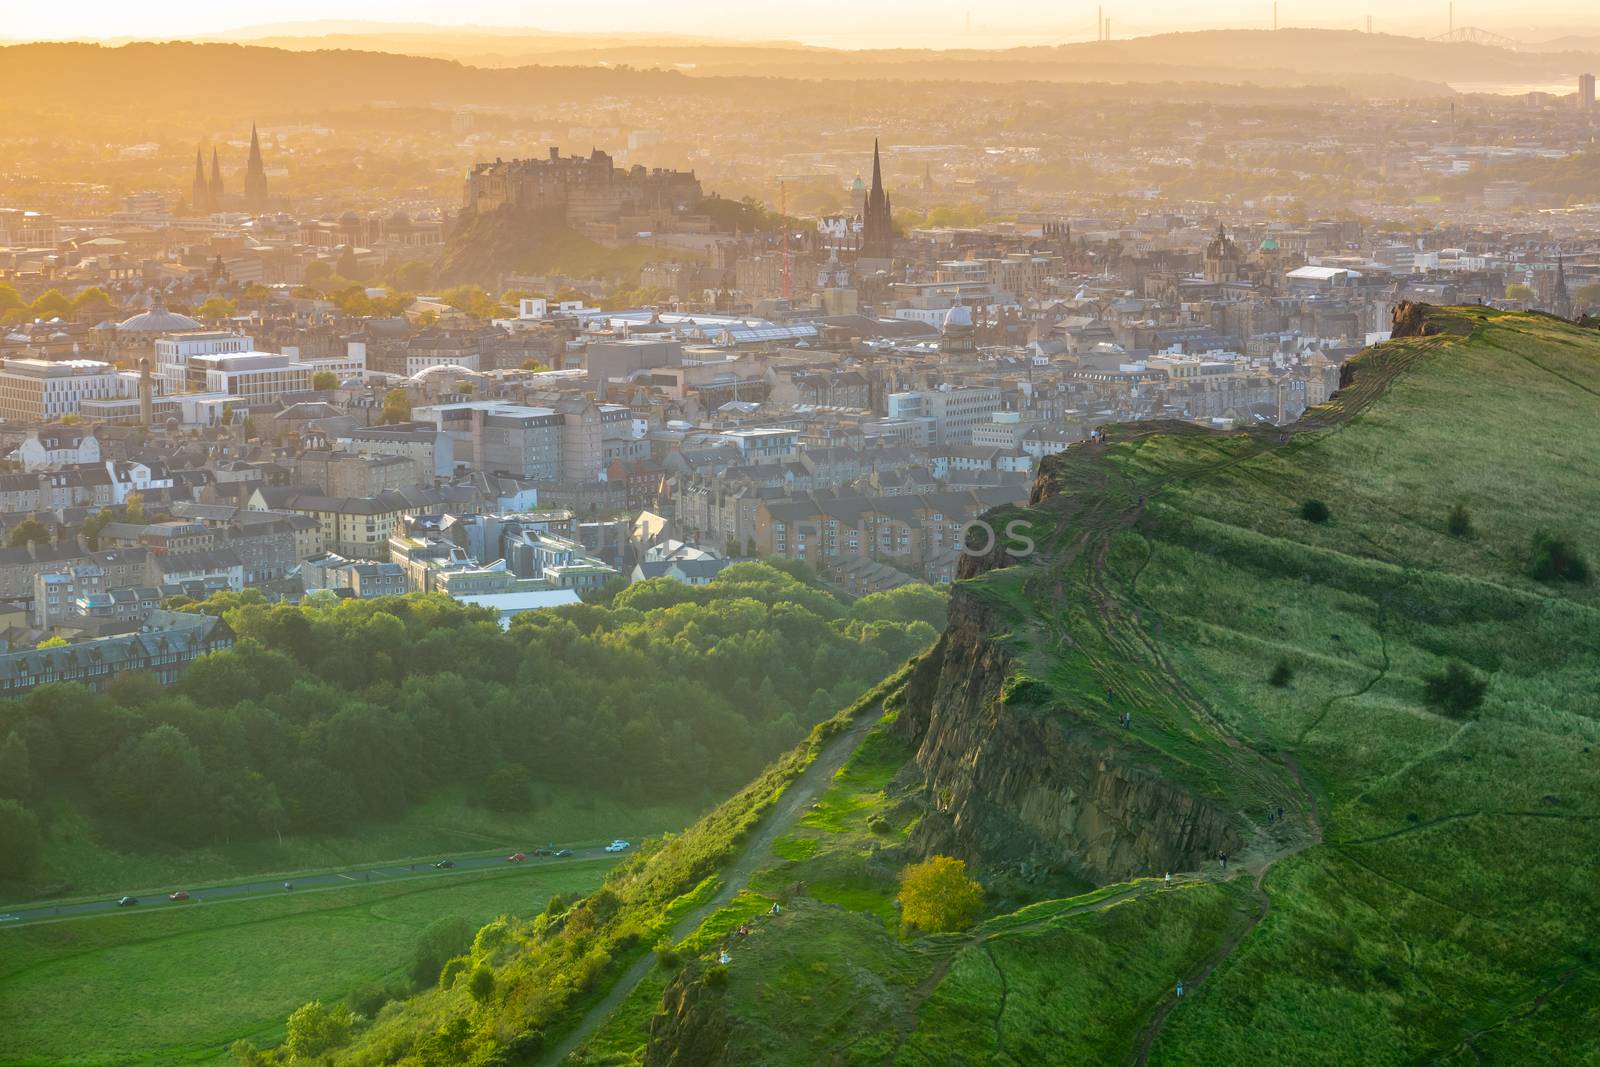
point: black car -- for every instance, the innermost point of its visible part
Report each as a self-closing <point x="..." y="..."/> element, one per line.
<point x="127" y="902"/>
<point x="445" y="865"/>
<point x="560" y="852"/>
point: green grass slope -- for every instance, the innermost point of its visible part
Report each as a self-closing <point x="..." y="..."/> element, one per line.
<point x="1429" y="896"/>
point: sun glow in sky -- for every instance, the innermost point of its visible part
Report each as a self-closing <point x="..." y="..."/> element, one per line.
<point x="843" y="23"/>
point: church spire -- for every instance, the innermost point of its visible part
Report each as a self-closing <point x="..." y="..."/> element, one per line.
<point x="1563" y="296"/>
<point x="216" y="181"/>
<point x="255" y="175"/>
<point x="200" y="194"/>
<point x="877" y="236"/>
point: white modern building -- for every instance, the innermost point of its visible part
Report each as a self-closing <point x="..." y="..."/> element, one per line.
<point x="42" y="390"/>
<point x="174" y="351"/>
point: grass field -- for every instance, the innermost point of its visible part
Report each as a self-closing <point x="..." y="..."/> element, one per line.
<point x="178" y="986"/>
<point x="81" y="856"/>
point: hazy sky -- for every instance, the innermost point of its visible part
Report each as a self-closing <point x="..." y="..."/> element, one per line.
<point x="838" y="22"/>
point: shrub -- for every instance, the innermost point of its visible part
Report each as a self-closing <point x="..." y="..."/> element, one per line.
<point x="481" y="984"/>
<point x="453" y="968"/>
<point x="1315" y="511"/>
<point x="367" y="1000"/>
<point x="440" y="940"/>
<point x="879" y="825"/>
<point x="716" y="975"/>
<point x="1456" y="690"/>
<point x="936" y="895"/>
<point x="1282" y="674"/>
<point x="1459" y="522"/>
<point x="667" y="957"/>
<point x="508" y="788"/>
<point x="314" y="1029"/>
<point x="21" y="843"/>
<point x="1556" y="560"/>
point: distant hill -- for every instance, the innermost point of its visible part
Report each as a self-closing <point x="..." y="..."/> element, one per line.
<point x="1358" y="656"/>
<point x="484" y="69"/>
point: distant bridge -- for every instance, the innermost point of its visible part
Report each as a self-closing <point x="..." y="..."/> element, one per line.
<point x="1473" y="35"/>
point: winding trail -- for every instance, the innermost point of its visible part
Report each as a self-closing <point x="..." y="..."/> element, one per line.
<point x="796" y="800"/>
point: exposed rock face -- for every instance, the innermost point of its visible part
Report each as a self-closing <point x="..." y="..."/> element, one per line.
<point x="1019" y="784"/>
<point x="689" y="1030"/>
<point x="1411" y="320"/>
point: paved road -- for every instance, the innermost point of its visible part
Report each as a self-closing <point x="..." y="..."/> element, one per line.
<point x="45" y="912"/>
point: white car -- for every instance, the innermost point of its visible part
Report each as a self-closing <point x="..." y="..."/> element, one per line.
<point x="618" y="845"/>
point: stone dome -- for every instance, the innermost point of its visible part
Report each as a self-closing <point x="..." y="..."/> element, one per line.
<point x="157" y="320"/>
<point x="958" y="317"/>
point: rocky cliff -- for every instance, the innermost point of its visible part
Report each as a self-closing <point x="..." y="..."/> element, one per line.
<point x="1006" y="782"/>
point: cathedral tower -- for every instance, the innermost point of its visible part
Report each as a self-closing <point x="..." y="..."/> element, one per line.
<point x="255" y="176"/>
<point x="200" y="194"/>
<point x="877" y="226"/>
<point x="216" y="181"/>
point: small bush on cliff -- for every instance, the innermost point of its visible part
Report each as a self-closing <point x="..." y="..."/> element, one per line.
<point x="1459" y="522"/>
<point x="936" y="895"/>
<point x="1314" y="511"/>
<point x="1456" y="690"/>
<point x="1282" y="674"/>
<point x="1556" y="560"/>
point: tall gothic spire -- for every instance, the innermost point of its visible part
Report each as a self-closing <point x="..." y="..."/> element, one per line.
<point x="200" y="194"/>
<point x="877" y="226"/>
<point x="255" y="175"/>
<point x="216" y="181"/>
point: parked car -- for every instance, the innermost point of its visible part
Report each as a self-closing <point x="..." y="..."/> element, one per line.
<point x="561" y="852"/>
<point x="618" y="845"/>
<point x="516" y="857"/>
<point x="127" y="902"/>
<point x="179" y="895"/>
<point x="544" y="852"/>
<point x="8" y="918"/>
<point x="445" y="865"/>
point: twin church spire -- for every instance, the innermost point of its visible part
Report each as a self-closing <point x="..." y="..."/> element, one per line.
<point x="209" y="196"/>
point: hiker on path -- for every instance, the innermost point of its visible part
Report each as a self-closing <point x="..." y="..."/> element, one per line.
<point x="1168" y="878"/>
<point x="1180" y="989"/>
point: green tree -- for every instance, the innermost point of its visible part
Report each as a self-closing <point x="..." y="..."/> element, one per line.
<point x="508" y="788"/>
<point x="16" y="769"/>
<point x="314" y="1029"/>
<point x="481" y="983"/>
<point x="50" y="304"/>
<point x="54" y="641"/>
<point x="28" y="531"/>
<point x="1518" y="291"/>
<point x="324" y="379"/>
<point x="218" y="307"/>
<point x="347" y="266"/>
<point x="936" y="895"/>
<point x="91" y="304"/>
<point x="10" y="299"/>
<point x="396" y="406"/>
<point x="534" y="365"/>
<point x="21" y="844"/>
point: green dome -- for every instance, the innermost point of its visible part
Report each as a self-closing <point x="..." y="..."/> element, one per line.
<point x="1269" y="244"/>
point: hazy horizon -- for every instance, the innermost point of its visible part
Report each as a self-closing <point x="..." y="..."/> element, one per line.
<point x="831" y="23"/>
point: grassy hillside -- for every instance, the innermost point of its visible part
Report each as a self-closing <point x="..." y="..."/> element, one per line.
<point x="1407" y="679"/>
<point x="1425" y="898"/>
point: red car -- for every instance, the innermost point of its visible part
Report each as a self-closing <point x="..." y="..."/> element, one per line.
<point x="179" y="895"/>
<point x="516" y="857"/>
